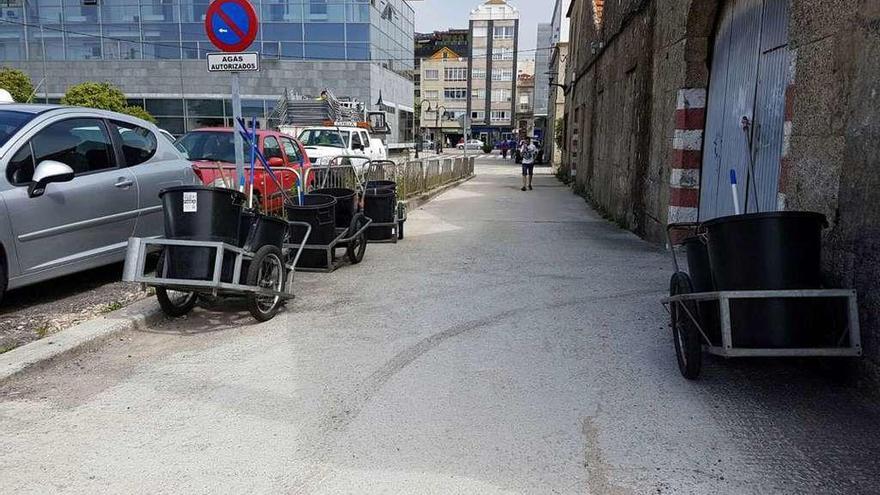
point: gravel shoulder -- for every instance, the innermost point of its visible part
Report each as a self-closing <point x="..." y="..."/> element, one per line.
<point x="41" y="310"/>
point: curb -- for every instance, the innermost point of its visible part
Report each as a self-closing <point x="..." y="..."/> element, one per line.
<point x="413" y="203"/>
<point x="86" y="336"/>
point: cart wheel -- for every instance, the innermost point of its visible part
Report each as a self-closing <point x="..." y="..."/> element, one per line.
<point x="688" y="342"/>
<point x="174" y="303"/>
<point x="401" y="211"/>
<point x="266" y="272"/>
<point x="358" y="246"/>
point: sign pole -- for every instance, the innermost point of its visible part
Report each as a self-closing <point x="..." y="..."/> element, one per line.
<point x="239" y="142"/>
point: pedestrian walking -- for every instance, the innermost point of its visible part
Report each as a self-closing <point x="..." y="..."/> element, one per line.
<point x="529" y="153"/>
<point x="504" y="148"/>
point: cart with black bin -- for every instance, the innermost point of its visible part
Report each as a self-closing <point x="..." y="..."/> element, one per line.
<point x="214" y="247"/>
<point x="336" y="223"/>
<point x="753" y="289"/>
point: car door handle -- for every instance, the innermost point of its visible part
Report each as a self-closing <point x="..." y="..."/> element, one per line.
<point x="124" y="183"/>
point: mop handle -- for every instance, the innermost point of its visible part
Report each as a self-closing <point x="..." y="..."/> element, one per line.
<point x="734" y="191"/>
<point x="253" y="162"/>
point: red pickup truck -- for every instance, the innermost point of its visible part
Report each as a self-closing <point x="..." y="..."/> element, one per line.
<point x="212" y="152"/>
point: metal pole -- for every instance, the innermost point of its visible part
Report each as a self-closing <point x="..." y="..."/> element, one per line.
<point x="239" y="143"/>
<point x="467" y="126"/>
<point x="43" y="49"/>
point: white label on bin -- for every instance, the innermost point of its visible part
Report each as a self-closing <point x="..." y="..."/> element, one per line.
<point x="190" y="202"/>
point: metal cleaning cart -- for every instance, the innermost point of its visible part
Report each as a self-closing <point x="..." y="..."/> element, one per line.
<point x="718" y="321"/>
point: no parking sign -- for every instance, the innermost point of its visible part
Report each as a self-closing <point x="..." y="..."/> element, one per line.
<point x="231" y="24"/>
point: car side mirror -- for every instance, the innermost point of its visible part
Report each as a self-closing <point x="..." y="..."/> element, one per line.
<point x="276" y="162"/>
<point x="47" y="172"/>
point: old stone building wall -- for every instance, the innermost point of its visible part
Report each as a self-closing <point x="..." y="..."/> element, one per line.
<point x="637" y="114"/>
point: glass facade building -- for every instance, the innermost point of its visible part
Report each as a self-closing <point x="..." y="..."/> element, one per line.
<point x="174" y="29"/>
<point x="95" y="33"/>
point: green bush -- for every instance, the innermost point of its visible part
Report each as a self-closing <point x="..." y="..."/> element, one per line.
<point x="17" y="82"/>
<point x="487" y="147"/>
<point x="103" y="96"/>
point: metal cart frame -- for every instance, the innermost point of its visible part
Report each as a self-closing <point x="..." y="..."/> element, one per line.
<point x="344" y="236"/>
<point x="728" y="350"/>
<point x="138" y="248"/>
<point x="849" y="340"/>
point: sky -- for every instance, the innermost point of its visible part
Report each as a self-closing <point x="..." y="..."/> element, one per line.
<point x="435" y="15"/>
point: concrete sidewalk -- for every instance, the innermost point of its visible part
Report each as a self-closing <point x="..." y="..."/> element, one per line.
<point x="513" y="343"/>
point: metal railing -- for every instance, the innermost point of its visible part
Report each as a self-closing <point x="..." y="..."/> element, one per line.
<point x="416" y="177"/>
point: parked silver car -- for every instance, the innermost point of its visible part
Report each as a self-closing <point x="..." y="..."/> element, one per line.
<point x="76" y="183"/>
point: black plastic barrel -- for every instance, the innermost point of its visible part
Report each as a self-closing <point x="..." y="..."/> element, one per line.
<point x="317" y="210"/>
<point x="380" y="185"/>
<point x="700" y="272"/>
<point x="380" y="205"/>
<point x="258" y="230"/>
<point x="771" y="251"/>
<point x="200" y="213"/>
<point x="346" y="205"/>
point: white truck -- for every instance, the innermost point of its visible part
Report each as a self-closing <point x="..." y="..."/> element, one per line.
<point x="323" y="143"/>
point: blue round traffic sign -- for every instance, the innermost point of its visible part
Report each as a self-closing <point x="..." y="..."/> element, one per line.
<point x="231" y="24"/>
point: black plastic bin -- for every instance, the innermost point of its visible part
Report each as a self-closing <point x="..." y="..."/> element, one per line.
<point x="200" y="213"/>
<point x="346" y="205"/>
<point x="319" y="211"/>
<point x="700" y="272"/>
<point x="772" y="251"/>
<point x="258" y="230"/>
<point x="380" y="204"/>
<point x="386" y="185"/>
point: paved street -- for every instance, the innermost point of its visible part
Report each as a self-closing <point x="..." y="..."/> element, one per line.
<point x="513" y="343"/>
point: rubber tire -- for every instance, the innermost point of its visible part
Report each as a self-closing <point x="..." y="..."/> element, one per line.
<point x="400" y="212"/>
<point x="252" y="276"/>
<point x="357" y="247"/>
<point x="169" y="307"/>
<point x="685" y="334"/>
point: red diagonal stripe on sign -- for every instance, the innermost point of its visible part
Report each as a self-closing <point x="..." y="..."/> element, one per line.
<point x="231" y="24"/>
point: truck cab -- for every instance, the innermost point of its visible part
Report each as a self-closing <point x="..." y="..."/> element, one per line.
<point x="323" y="143"/>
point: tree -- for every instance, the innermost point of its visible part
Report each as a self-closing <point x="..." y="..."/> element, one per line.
<point x="104" y="96"/>
<point x="139" y="113"/>
<point x="17" y="82"/>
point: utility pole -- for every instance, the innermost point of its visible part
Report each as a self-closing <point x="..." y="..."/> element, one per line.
<point x="421" y="139"/>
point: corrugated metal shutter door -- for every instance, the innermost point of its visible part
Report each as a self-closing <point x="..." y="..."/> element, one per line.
<point x="748" y="80"/>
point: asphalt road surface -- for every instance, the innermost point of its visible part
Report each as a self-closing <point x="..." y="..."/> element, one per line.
<point x="513" y="343"/>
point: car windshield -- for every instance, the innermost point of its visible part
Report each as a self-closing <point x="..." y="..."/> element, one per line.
<point x="11" y="122"/>
<point x="316" y="137"/>
<point x="210" y="146"/>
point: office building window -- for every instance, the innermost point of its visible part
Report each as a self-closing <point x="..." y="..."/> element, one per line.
<point x="499" y="116"/>
<point x="478" y="74"/>
<point x="478" y="115"/>
<point x="501" y="95"/>
<point x="479" y="53"/>
<point x="455" y="93"/>
<point x="432" y="74"/>
<point x="478" y="93"/>
<point x="502" y="54"/>
<point x="503" y="32"/>
<point x="503" y="75"/>
<point x="456" y="74"/>
<point x="431" y="94"/>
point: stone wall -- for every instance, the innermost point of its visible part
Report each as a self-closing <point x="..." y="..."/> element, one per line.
<point x="636" y="117"/>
